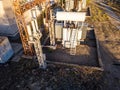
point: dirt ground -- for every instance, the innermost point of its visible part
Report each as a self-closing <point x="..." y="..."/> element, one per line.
<point x="85" y="55"/>
<point x="109" y="36"/>
<point x="108" y="33"/>
<point x="25" y="76"/>
<point x="86" y="52"/>
<point x="107" y="30"/>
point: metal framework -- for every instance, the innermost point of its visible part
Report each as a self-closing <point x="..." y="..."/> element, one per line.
<point x="19" y="9"/>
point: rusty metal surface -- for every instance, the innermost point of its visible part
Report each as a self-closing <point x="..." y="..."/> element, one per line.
<point x="19" y="9"/>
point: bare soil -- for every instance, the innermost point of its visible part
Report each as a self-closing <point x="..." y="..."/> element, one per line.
<point x="108" y="33"/>
<point x="25" y="76"/>
<point x="85" y="55"/>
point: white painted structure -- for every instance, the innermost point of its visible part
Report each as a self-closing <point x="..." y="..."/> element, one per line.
<point x="58" y="30"/>
<point x="67" y="32"/>
<point x="83" y="4"/>
<point x="69" y="36"/>
<point x="71" y="16"/>
<point x="32" y="13"/>
<point x="80" y="31"/>
<point x="79" y="5"/>
<point x="72" y="31"/>
<point x="34" y="38"/>
<point x="69" y="4"/>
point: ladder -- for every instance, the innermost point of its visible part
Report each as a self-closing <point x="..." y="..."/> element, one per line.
<point x="73" y="41"/>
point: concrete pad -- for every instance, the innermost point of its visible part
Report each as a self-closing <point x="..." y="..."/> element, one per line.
<point x="16" y="58"/>
<point x="27" y="57"/>
<point x="17" y="48"/>
<point x="85" y="55"/>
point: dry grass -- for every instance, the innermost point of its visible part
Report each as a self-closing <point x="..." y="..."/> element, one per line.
<point x="107" y="30"/>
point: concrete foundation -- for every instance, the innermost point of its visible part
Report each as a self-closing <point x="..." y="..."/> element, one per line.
<point x="6" y="51"/>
